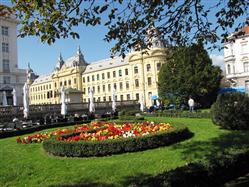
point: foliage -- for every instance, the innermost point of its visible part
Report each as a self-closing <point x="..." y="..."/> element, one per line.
<point x="231" y="111"/>
<point x="131" y="118"/>
<point x="108" y="147"/>
<point x="128" y="21"/>
<point x="213" y="172"/>
<point x="181" y="114"/>
<point x="189" y="72"/>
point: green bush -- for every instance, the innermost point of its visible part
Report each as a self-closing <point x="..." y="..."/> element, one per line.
<point x="109" y="147"/>
<point x="231" y="111"/>
<point x="212" y="172"/>
<point x="129" y="112"/>
<point x="180" y="114"/>
<point x="131" y="118"/>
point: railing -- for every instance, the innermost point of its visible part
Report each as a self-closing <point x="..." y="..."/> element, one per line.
<point x="9" y="112"/>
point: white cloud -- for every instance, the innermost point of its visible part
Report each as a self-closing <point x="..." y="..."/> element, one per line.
<point x="218" y="60"/>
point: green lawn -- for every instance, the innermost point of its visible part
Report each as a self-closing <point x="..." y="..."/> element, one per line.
<point x="29" y="165"/>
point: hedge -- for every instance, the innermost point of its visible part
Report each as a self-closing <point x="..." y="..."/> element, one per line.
<point x="180" y="114"/>
<point x="6" y="134"/>
<point x="213" y="172"/>
<point x="109" y="147"/>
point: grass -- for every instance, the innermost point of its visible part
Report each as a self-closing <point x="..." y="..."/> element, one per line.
<point x="30" y="165"/>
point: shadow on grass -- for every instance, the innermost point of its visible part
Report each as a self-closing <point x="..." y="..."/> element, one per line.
<point x="198" y="149"/>
<point x="190" y="151"/>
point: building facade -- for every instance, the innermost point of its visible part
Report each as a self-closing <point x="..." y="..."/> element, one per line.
<point x="10" y="76"/>
<point x="134" y="78"/>
<point x="236" y="58"/>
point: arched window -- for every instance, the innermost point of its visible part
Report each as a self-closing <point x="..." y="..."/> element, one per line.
<point x="135" y="69"/>
<point x="246" y="66"/>
<point x="228" y="69"/>
<point x="148" y="67"/>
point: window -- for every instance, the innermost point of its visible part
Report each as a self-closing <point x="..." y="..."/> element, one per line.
<point x="93" y="89"/>
<point x="110" y="98"/>
<point x="103" y="76"/>
<point x="136" y="83"/>
<point x="84" y="90"/>
<point x="98" y="99"/>
<point x="120" y="73"/>
<point x="6" y="65"/>
<point x="121" y="86"/>
<point x="75" y="81"/>
<point x="127" y="85"/>
<point x="115" y="85"/>
<point x="88" y="79"/>
<point x="103" y="88"/>
<point x="6" y="80"/>
<point x="5" y="47"/>
<point x="65" y="83"/>
<point x="46" y="87"/>
<point x="108" y="75"/>
<point x="128" y="96"/>
<point x="69" y="82"/>
<point x="55" y="85"/>
<point x="109" y="87"/>
<point x="121" y="97"/>
<point x="114" y="73"/>
<point x="137" y="96"/>
<point x="246" y="66"/>
<point x="126" y="72"/>
<point x="104" y="98"/>
<point x="228" y="69"/>
<point x="149" y="81"/>
<point x="243" y="48"/>
<point x="98" y="88"/>
<point x="97" y="77"/>
<point x="158" y="66"/>
<point x="83" y="80"/>
<point x="49" y="86"/>
<point x="247" y="86"/>
<point x="136" y="70"/>
<point x="60" y="83"/>
<point x="88" y="89"/>
<point x="148" y="67"/>
<point x="5" y="31"/>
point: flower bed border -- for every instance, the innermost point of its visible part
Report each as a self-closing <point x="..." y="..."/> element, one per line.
<point x="109" y="147"/>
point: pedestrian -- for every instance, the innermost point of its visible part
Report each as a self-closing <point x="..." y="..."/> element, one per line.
<point x="191" y="104"/>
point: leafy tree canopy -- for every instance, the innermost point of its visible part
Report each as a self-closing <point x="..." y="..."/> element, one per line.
<point x="189" y="72"/>
<point x="180" y="21"/>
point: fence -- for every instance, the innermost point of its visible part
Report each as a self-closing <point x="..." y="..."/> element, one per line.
<point x="9" y="112"/>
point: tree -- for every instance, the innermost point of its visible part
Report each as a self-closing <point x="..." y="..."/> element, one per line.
<point x="189" y="72"/>
<point x="180" y="21"/>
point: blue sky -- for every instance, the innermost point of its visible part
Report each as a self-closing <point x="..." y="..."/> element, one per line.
<point x="43" y="57"/>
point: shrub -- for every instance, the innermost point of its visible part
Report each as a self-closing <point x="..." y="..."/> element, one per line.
<point x="180" y="114"/>
<point x="108" y="147"/>
<point x="231" y="111"/>
<point x="131" y="118"/>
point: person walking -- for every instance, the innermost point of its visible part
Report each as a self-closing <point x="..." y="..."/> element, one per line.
<point x="191" y="104"/>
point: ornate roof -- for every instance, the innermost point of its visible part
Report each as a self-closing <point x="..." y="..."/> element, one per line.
<point x="106" y="64"/>
<point x="77" y="60"/>
<point x="42" y="79"/>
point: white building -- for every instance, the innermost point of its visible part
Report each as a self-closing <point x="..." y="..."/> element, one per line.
<point x="236" y="58"/>
<point x="10" y="76"/>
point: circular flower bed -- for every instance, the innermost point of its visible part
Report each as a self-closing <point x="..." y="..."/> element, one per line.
<point x="105" y="138"/>
<point x="98" y="131"/>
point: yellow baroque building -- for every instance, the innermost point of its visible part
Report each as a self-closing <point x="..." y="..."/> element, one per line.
<point x="134" y="78"/>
